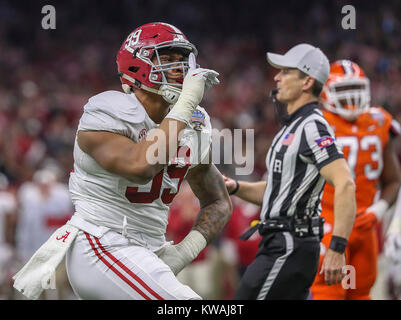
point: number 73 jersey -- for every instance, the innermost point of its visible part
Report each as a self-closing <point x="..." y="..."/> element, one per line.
<point x="362" y="143"/>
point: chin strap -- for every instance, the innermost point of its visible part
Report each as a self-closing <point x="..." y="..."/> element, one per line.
<point x="169" y="93"/>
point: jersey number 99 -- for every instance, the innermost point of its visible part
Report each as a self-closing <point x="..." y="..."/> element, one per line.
<point x="174" y="172"/>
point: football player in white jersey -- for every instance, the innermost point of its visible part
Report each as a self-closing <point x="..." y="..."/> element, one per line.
<point x="44" y="205"/>
<point x="8" y="221"/>
<point x="121" y="195"/>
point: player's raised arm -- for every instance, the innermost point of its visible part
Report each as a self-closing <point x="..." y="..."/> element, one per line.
<point x="136" y="161"/>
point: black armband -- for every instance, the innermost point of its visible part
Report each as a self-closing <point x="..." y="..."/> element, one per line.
<point x="338" y="244"/>
<point x="235" y="189"/>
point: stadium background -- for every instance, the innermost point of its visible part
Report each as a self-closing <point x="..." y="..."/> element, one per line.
<point x="46" y="76"/>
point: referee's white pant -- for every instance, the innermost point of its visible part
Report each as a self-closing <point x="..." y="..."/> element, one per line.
<point x="109" y="268"/>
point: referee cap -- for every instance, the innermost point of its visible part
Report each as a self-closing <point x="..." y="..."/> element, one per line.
<point x="304" y="57"/>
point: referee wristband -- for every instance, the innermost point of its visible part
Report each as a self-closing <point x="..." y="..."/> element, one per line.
<point x="338" y="244"/>
<point x="235" y="189"/>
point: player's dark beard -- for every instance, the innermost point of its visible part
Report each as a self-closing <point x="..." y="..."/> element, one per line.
<point x="280" y="109"/>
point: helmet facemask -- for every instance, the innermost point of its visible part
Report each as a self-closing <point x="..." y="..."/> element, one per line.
<point x="348" y="97"/>
<point x="158" y="74"/>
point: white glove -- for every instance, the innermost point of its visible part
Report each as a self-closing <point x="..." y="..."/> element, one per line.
<point x="177" y="257"/>
<point x="392" y="248"/>
<point x="193" y="89"/>
<point x="379" y="208"/>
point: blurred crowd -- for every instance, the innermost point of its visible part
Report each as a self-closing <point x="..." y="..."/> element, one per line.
<point x="48" y="75"/>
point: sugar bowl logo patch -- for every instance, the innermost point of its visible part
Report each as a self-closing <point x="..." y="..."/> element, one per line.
<point x="198" y="120"/>
<point x="325" y="141"/>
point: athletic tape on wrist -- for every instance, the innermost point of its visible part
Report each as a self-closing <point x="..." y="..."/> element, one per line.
<point x="193" y="243"/>
<point x="181" y="112"/>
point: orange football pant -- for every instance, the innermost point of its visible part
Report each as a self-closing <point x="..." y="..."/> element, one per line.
<point x="361" y="253"/>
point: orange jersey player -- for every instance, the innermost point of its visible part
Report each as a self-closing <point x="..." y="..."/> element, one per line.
<point x="365" y="134"/>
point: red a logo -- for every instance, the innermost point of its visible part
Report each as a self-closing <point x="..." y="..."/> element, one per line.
<point x="64" y="237"/>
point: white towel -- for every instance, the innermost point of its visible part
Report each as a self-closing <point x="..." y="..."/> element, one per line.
<point x="39" y="272"/>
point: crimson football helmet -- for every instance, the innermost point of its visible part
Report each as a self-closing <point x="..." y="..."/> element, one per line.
<point x="347" y="91"/>
<point x="134" y="59"/>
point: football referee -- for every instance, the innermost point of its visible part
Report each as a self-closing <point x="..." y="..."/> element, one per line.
<point x="302" y="157"/>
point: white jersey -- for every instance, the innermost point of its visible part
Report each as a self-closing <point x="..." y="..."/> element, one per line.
<point x="40" y="215"/>
<point x="8" y="204"/>
<point x="138" y="211"/>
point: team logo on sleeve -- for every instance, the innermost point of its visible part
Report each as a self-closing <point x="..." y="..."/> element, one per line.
<point x="325" y="141"/>
<point x="198" y="120"/>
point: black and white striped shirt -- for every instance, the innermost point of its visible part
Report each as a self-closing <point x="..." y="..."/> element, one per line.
<point x="304" y="145"/>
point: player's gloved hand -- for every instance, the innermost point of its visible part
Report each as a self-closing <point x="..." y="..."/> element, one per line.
<point x="193" y="88"/>
<point x="392" y="248"/>
<point x="197" y="79"/>
<point x="379" y="208"/>
<point x="372" y="215"/>
<point x="178" y="256"/>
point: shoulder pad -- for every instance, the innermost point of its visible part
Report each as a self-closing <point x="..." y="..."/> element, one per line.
<point x="119" y="105"/>
<point x="380" y="115"/>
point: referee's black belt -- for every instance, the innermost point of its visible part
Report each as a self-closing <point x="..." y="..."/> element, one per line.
<point x="300" y="227"/>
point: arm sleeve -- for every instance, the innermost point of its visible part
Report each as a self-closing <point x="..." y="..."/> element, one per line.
<point x="318" y="144"/>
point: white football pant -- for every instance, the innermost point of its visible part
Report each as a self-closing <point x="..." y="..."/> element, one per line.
<point x="110" y="268"/>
